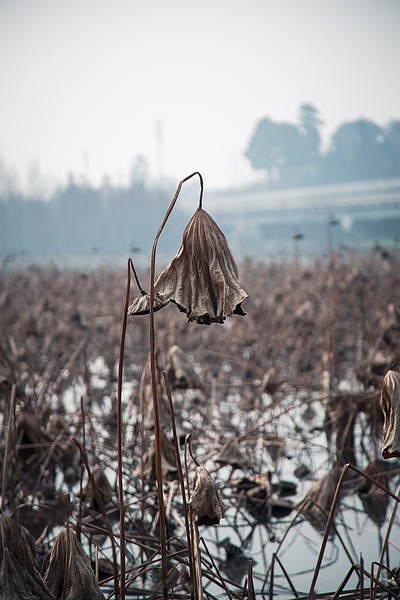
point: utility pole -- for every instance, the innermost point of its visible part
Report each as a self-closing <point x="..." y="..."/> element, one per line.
<point x="159" y="149"/>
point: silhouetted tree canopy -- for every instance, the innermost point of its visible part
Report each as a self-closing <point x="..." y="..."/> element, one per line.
<point x="291" y="155"/>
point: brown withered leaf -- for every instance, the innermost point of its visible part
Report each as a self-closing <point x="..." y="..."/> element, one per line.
<point x="102" y="493"/>
<point x="180" y="370"/>
<point x="207" y="506"/>
<point x="390" y="404"/>
<point x="18" y="575"/>
<point x="141" y="304"/>
<point x="232" y="455"/>
<point x="202" y="278"/>
<point x="319" y="500"/>
<point x="375" y="500"/>
<point x="70" y="575"/>
<point x="169" y="467"/>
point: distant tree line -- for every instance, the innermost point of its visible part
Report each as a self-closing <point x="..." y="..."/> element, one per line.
<point x="291" y="154"/>
<point x="81" y="220"/>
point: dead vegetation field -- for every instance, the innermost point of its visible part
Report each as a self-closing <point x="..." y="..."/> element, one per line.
<point x="269" y="422"/>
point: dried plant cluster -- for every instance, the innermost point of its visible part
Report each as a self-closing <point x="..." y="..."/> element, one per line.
<point x="202" y="279"/>
<point x="275" y="404"/>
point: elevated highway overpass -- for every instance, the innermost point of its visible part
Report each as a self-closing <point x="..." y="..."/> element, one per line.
<point x="265" y="221"/>
<point x="364" y="198"/>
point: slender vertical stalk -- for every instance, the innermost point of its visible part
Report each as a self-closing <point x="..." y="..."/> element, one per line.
<point x="7" y="448"/>
<point x="181" y="480"/>
<point x="387" y="535"/>
<point x="119" y="438"/>
<point x="161" y="508"/>
<point x="361" y="577"/>
<point x="250" y="583"/>
<point x="328" y="528"/>
<point x="271" y="580"/>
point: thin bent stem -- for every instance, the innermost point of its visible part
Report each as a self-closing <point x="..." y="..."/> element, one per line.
<point x="163" y="531"/>
<point x="142" y="291"/>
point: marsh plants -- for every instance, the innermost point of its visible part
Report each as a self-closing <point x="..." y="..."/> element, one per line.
<point x="254" y="458"/>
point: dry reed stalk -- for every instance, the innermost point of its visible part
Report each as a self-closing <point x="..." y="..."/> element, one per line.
<point x="361" y="577"/>
<point x="224" y="586"/>
<point x="7" y="446"/>
<point x="342" y="585"/>
<point x="388" y="531"/>
<point x="181" y="482"/>
<point x="198" y="585"/>
<point x="250" y="584"/>
<point x="374" y="580"/>
<point x="119" y="437"/>
<point x="271" y="572"/>
<point x="332" y="512"/>
<point x="104" y="513"/>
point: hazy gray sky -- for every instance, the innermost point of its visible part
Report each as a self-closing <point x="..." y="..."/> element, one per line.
<point x="84" y="82"/>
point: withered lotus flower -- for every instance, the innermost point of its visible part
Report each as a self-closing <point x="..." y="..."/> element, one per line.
<point x="70" y="574"/>
<point x="390" y="404"/>
<point x="207" y="506"/>
<point x="202" y="278"/>
<point x="18" y="575"/>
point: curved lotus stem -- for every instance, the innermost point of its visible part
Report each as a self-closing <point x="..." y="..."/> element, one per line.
<point x="163" y="532"/>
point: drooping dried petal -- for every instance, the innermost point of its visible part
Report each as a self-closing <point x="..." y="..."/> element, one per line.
<point x="70" y="575"/>
<point x="141" y="304"/>
<point x="207" y="506"/>
<point x="202" y="279"/>
<point x="390" y="404"/>
<point x="18" y="575"/>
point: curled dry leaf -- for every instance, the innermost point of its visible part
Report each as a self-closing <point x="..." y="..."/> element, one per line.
<point x="390" y="404"/>
<point x="319" y="500"/>
<point x="232" y="455"/>
<point x="180" y="370"/>
<point x="70" y="575"/>
<point x="18" y="575"/>
<point x="202" y="278"/>
<point x="207" y="506"/>
<point x="375" y="500"/>
<point x="169" y="467"/>
<point x="141" y="304"/>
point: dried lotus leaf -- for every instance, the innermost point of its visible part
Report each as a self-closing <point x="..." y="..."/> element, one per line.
<point x="70" y="575"/>
<point x="202" y="278"/>
<point x="141" y="304"/>
<point x="207" y="506"/>
<point x="390" y="404"/>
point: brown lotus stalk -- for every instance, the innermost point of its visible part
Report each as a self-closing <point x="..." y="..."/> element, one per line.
<point x="390" y="404"/>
